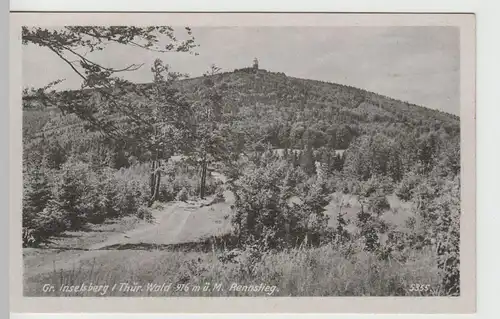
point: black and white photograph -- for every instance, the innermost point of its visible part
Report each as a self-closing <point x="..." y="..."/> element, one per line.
<point x="241" y="161"/>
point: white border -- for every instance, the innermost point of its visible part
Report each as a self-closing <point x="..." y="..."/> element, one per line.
<point x="488" y="103"/>
<point x="254" y="5"/>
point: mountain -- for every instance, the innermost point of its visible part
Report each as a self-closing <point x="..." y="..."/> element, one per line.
<point x="287" y="111"/>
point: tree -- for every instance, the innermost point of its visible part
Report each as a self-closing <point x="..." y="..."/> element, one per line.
<point x="307" y="160"/>
<point x="54" y="155"/>
<point x="211" y="130"/>
<point x="343" y="137"/>
<point x="358" y="161"/>
<point x="395" y="163"/>
<point x="379" y="153"/>
<point x="169" y="124"/>
<point x="36" y="195"/>
<point x="427" y="149"/>
<point x="69" y="42"/>
<point x="155" y="115"/>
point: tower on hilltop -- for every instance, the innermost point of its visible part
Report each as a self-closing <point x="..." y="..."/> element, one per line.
<point x="255" y="63"/>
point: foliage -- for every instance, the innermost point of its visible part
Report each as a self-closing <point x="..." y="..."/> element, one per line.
<point x="442" y="223"/>
<point x="74" y="196"/>
<point x="406" y="187"/>
<point x="153" y="115"/>
<point x="273" y="206"/>
<point x="67" y="43"/>
<point x="211" y="142"/>
<point x="145" y="213"/>
<point x="342" y="235"/>
<point x="106" y="151"/>
<point x="36" y="194"/>
<point x="183" y="195"/>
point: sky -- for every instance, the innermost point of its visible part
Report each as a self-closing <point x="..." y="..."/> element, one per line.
<point x="420" y="65"/>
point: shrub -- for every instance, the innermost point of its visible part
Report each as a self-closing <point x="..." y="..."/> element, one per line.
<point x="378" y="204"/>
<point x="375" y="184"/>
<point x="77" y="195"/>
<point x="131" y="196"/>
<point x="342" y="235"/>
<point x="89" y="196"/>
<point x="274" y="209"/>
<point x="145" y="213"/>
<point x="404" y="190"/>
<point x="219" y="196"/>
<point x="108" y="195"/>
<point x="442" y="222"/>
<point x="73" y="192"/>
<point x="183" y="195"/>
<point x="36" y="194"/>
<point x="52" y="221"/>
<point x="182" y="175"/>
<point x="157" y="205"/>
<point x="368" y="230"/>
<point x="29" y="239"/>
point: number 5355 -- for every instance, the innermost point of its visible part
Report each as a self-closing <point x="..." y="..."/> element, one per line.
<point x="419" y="287"/>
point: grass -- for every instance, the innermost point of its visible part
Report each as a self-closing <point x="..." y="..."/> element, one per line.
<point x="319" y="271"/>
<point x="322" y="271"/>
<point x="90" y="234"/>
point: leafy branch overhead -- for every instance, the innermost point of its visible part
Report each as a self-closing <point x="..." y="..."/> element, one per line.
<point x="72" y="44"/>
<point x="68" y="43"/>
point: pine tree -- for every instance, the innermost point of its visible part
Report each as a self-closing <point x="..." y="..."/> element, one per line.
<point x="37" y="193"/>
<point x="67" y="198"/>
<point x="307" y="160"/>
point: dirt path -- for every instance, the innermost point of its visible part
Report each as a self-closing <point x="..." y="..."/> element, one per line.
<point x="177" y="222"/>
<point x="167" y="225"/>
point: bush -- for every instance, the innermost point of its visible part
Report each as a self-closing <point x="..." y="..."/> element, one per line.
<point x="274" y="209"/>
<point x="37" y="193"/>
<point x="378" y="204"/>
<point x="85" y="196"/>
<point x="157" y="205"/>
<point x="404" y="190"/>
<point x="219" y="196"/>
<point x="29" y="239"/>
<point x="131" y="196"/>
<point x="341" y="234"/>
<point x="375" y="184"/>
<point x="182" y="176"/>
<point x="145" y="213"/>
<point x="183" y="195"/>
<point x="51" y="208"/>
<point x="51" y="221"/>
<point x="442" y="222"/>
<point x="76" y="195"/>
<point x="108" y="194"/>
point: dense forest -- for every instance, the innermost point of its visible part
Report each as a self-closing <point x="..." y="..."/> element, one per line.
<point x="285" y="144"/>
<point x="269" y="109"/>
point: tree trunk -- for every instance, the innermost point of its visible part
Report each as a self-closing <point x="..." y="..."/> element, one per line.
<point x="152" y="178"/>
<point x="156" y="193"/>
<point x="203" y="178"/>
<point x="154" y="182"/>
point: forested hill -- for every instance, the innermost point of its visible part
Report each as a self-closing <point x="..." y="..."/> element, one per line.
<point x="284" y="108"/>
<point x="289" y="112"/>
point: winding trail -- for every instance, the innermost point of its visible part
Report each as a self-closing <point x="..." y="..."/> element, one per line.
<point x="165" y="229"/>
<point x="178" y="222"/>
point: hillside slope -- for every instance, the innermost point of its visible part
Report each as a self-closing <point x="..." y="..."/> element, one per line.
<point x="278" y="109"/>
